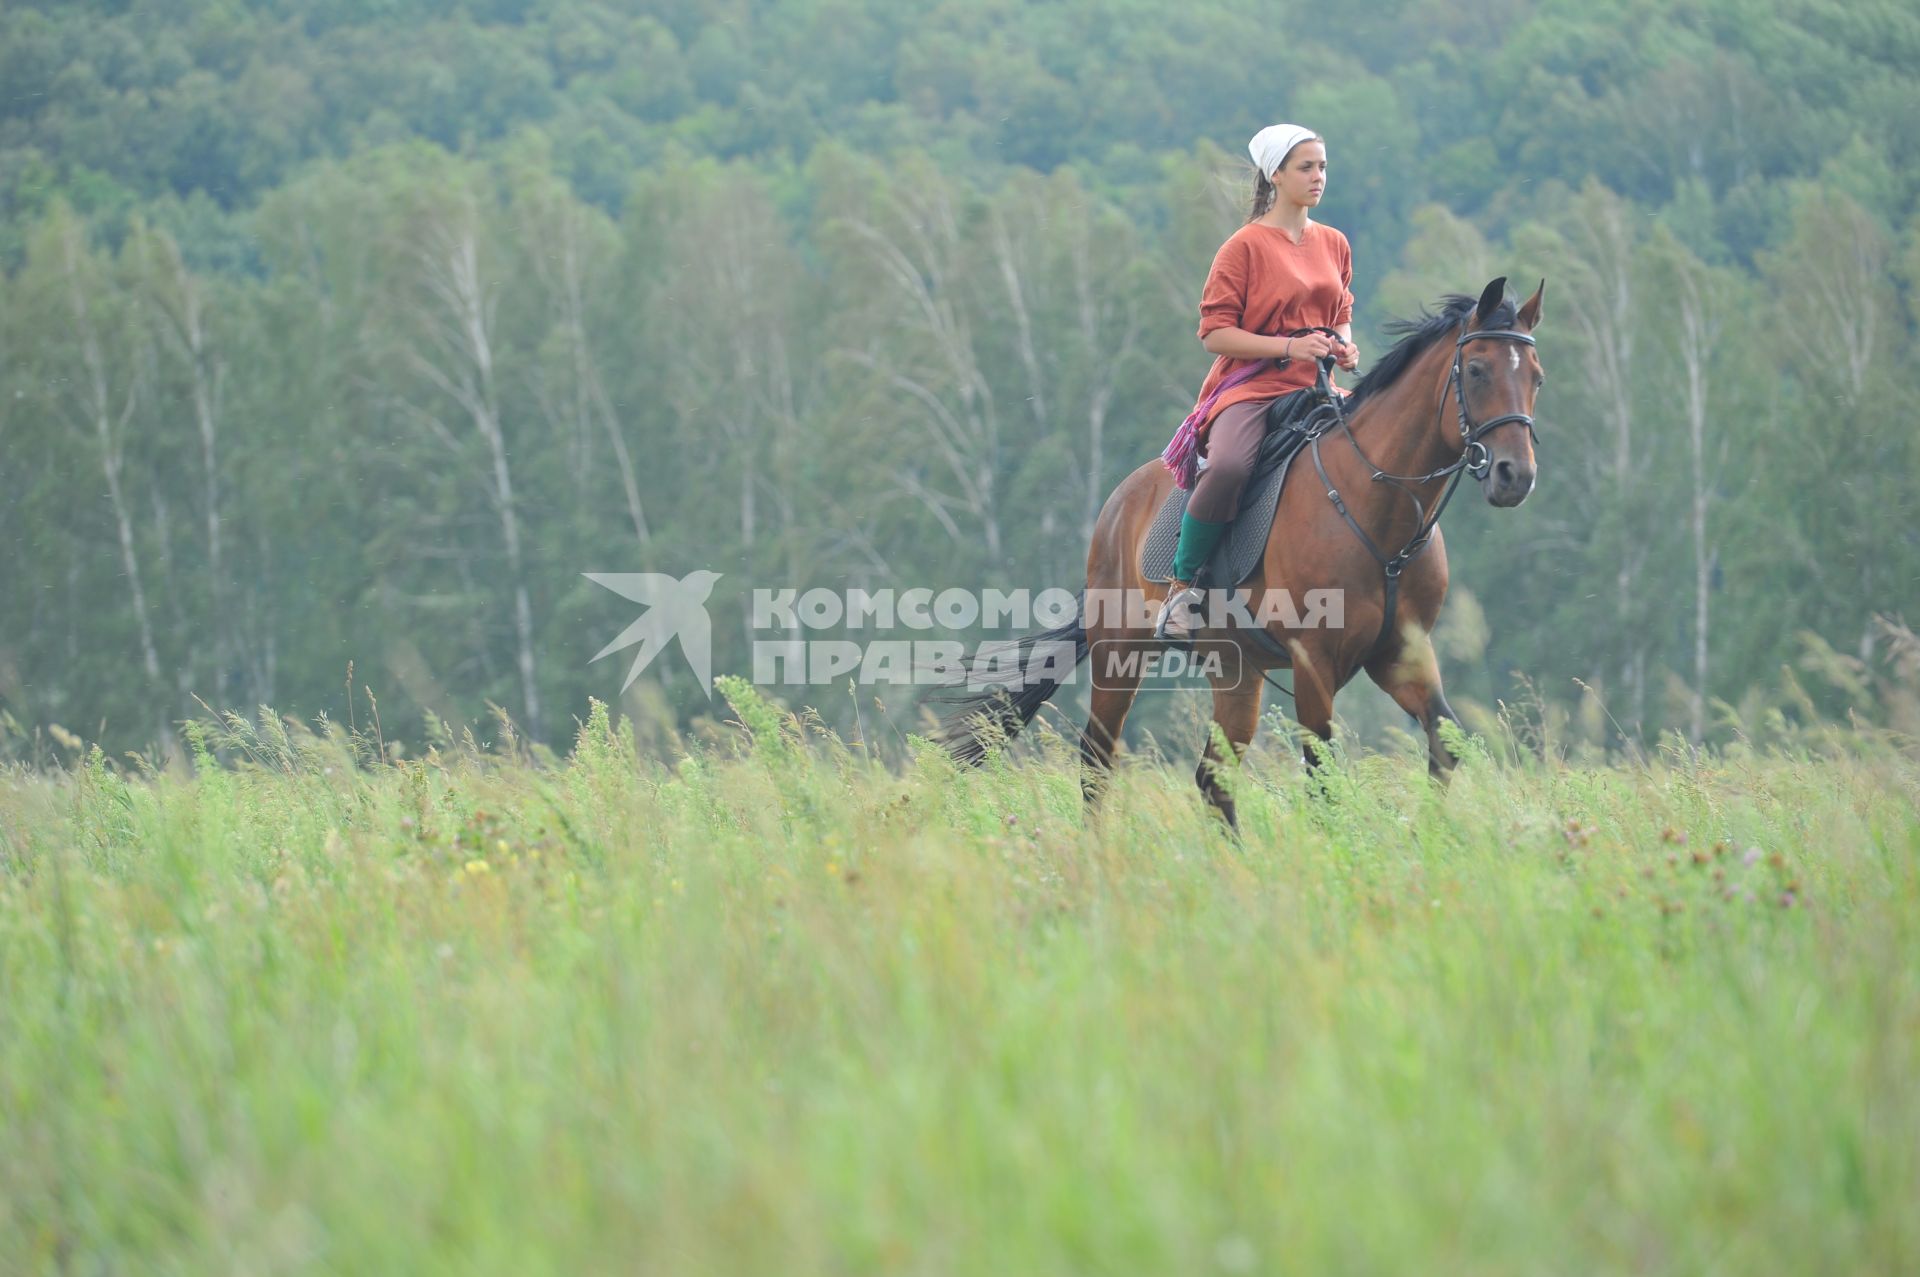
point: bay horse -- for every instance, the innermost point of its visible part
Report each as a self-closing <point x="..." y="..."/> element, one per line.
<point x="1454" y="397"/>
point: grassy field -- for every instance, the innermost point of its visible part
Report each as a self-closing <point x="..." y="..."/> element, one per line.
<point x="783" y="1010"/>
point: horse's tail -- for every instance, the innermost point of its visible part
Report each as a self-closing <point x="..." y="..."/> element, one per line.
<point x="1005" y="686"/>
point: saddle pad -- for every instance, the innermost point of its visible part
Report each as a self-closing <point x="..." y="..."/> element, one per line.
<point x="1239" y="551"/>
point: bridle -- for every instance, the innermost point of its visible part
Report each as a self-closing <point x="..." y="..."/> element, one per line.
<point x="1475" y="458"/>
<point x="1471" y="434"/>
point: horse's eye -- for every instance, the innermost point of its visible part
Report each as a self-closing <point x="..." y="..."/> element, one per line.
<point x="1477" y="369"/>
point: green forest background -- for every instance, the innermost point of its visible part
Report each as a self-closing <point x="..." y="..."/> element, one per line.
<point x="357" y="330"/>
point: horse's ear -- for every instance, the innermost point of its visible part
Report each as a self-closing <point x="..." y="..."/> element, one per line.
<point x="1490" y="300"/>
<point x="1530" y="309"/>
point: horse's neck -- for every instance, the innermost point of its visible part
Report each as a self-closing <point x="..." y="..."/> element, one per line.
<point x="1396" y="430"/>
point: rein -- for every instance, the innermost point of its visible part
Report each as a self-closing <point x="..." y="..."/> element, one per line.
<point x="1474" y="459"/>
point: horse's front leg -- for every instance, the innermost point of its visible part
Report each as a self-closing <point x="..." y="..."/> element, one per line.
<point x="1314" y="686"/>
<point x="1410" y="674"/>
<point x="1236" y="708"/>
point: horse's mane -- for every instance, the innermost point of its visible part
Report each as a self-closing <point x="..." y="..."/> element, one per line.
<point x="1418" y="335"/>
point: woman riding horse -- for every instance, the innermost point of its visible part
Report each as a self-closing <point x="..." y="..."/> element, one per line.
<point x="1282" y="273"/>
<point x="1359" y="514"/>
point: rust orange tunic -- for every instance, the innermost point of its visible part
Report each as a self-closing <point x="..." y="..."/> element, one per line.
<point x="1265" y="283"/>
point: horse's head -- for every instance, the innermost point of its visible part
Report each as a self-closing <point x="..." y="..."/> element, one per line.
<point x="1496" y="374"/>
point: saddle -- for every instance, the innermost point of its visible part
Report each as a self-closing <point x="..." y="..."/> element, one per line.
<point x="1245" y="541"/>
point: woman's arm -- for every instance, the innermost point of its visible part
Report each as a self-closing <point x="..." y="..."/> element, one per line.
<point x="1238" y="343"/>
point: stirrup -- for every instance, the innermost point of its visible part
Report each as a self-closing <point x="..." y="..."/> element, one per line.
<point x="1182" y="603"/>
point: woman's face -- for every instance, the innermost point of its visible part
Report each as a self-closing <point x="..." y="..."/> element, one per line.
<point x="1303" y="177"/>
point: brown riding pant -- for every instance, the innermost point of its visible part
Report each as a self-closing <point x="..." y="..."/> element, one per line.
<point x="1233" y="440"/>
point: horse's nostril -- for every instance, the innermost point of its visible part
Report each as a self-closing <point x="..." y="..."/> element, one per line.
<point x="1504" y="471"/>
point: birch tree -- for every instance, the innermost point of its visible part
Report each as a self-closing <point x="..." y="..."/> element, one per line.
<point x="178" y="306"/>
<point x="903" y="254"/>
<point x="446" y="312"/>
<point x="721" y="308"/>
<point x="1699" y="301"/>
<point x="571" y="247"/>
<point x="96" y="360"/>
<point x="1066" y="299"/>
<point x="1602" y="306"/>
<point x="1832" y="314"/>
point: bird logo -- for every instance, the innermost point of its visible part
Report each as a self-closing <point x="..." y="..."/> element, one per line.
<point x="676" y="609"/>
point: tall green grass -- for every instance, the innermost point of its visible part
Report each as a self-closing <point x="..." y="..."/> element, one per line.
<point x="780" y="1009"/>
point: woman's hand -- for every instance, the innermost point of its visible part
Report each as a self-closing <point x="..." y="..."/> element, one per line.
<point x="1310" y="346"/>
<point x="1347" y="356"/>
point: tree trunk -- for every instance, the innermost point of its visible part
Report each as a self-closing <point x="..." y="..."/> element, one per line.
<point x="182" y="307"/>
<point x="569" y="289"/>
<point x="1694" y="345"/>
<point x="461" y="331"/>
<point x="1603" y="311"/>
<point x="107" y="433"/>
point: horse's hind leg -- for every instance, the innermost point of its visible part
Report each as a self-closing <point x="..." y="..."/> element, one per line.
<point x="1411" y="676"/>
<point x="1236" y="708"/>
<point x="1116" y="673"/>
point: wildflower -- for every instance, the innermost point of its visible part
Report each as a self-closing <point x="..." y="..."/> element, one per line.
<point x="478" y="867"/>
<point x="501" y="846"/>
<point x="1750" y="857"/>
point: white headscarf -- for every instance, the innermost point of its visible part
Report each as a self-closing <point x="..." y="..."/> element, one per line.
<point x="1270" y="145"/>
